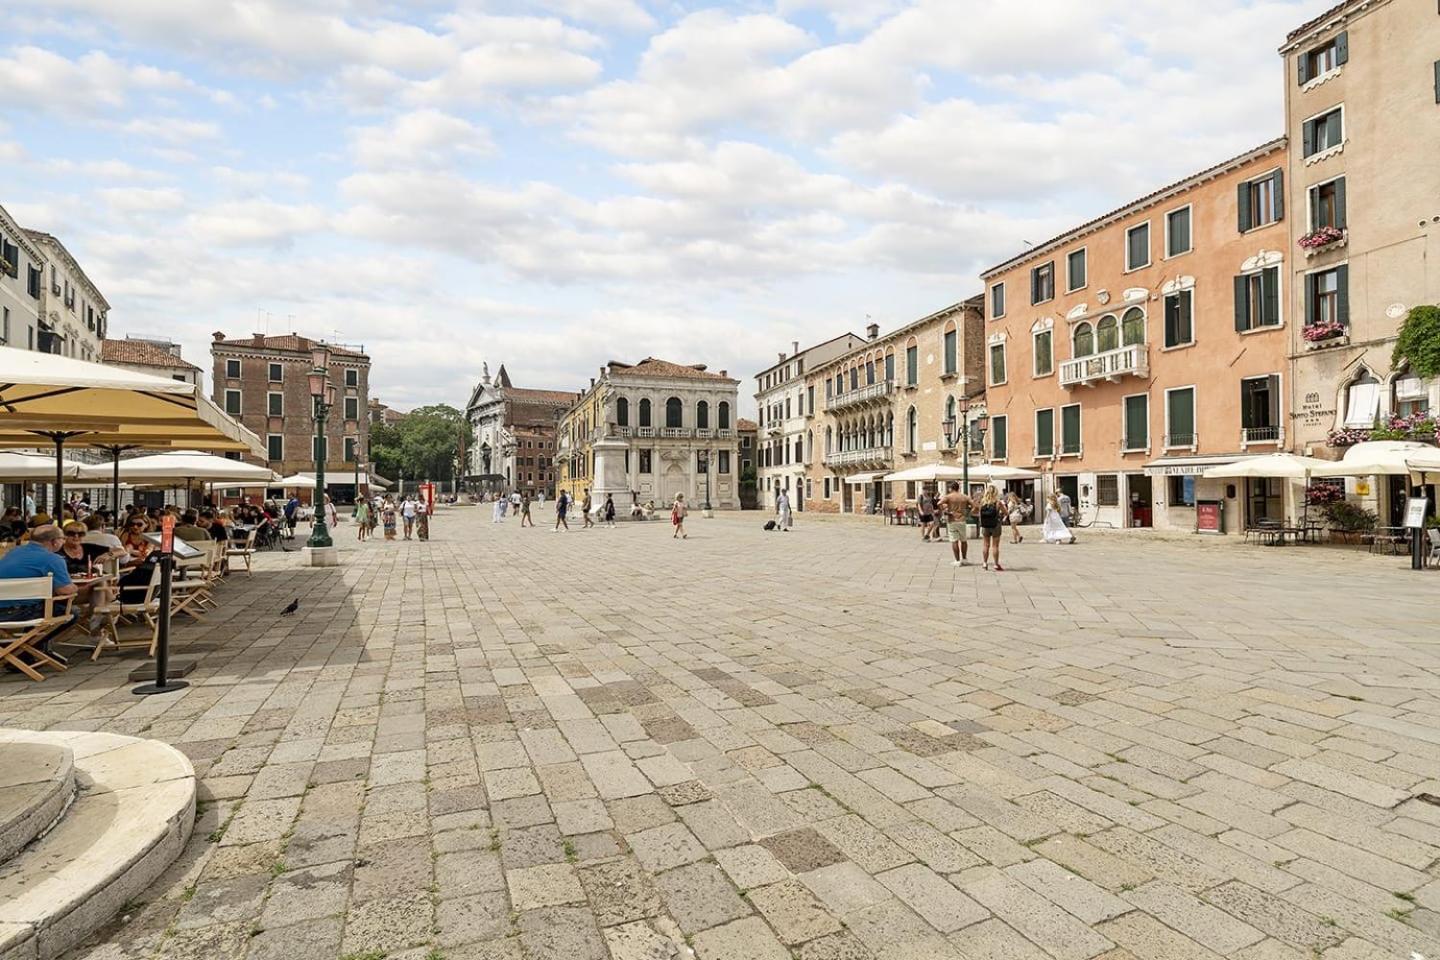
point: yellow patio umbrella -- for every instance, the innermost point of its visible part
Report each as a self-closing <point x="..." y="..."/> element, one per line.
<point x="44" y="397"/>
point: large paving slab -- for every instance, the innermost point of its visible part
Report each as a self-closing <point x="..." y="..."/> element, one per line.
<point x="509" y="743"/>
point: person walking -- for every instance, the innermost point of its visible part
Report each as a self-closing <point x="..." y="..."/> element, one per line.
<point x="927" y="516"/>
<point x="678" y="512"/>
<point x="515" y="499"/>
<point x="991" y="521"/>
<point x="422" y="521"/>
<point x="1055" y="529"/>
<point x="1062" y="501"/>
<point x="562" y="506"/>
<point x="782" y="511"/>
<point x="362" y="520"/>
<point x="525" y="519"/>
<point x="407" y="513"/>
<point x="1014" y="515"/>
<point x="956" y="508"/>
<point x="387" y="517"/>
<point x="586" y="506"/>
<point x="608" y="511"/>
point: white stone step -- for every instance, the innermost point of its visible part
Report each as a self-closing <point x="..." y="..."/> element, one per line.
<point x="133" y="811"/>
<point x="37" y="781"/>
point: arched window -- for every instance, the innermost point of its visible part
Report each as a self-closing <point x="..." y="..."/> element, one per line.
<point x="1410" y="396"/>
<point x="890" y="365"/>
<point x="1107" y="334"/>
<point x="869" y="372"/>
<point x="854" y="377"/>
<point x="674" y="412"/>
<point x="890" y="429"/>
<point x="912" y="421"/>
<point x="622" y="412"/>
<point x="1132" y="328"/>
<point x="949" y="418"/>
<point x="702" y="415"/>
<point x="724" y="413"/>
<point x="1362" y="400"/>
<point x="829" y="441"/>
<point x="951" y="352"/>
<point x="1084" y="340"/>
<point x="645" y="413"/>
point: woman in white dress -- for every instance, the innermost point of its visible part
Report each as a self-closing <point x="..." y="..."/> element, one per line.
<point x="782" y="510"/>
<point x="1054" y="529"/>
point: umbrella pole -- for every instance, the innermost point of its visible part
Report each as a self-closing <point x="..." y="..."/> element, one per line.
<point x="56" y="515"/>
<point x="115" y="483"/>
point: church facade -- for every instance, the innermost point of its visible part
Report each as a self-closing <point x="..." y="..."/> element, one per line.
<point x="514" y="436"/>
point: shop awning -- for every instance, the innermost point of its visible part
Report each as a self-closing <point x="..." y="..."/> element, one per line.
<point x="1189" y="466"/>
<point x="860" y="478"/>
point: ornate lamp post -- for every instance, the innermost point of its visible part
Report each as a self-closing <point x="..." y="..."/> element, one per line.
<point x="708" y="511"/>
<point x="322" y="395"/>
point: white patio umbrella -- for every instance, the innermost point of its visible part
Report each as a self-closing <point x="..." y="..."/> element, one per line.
<point x="1425" y="466"/>
<point x="999" y="473"/>
<point x="191" y="466"/>
<point x="1277" y="466"/>
<point x="19" y="467"/>
<point x="332" y="480"/>
<point x="1377" y="458"/>
<point x="926" y="473"/>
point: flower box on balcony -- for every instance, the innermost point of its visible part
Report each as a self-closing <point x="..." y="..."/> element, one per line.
<point x="1318" y="241"/>
<point x="1327" y="333"/>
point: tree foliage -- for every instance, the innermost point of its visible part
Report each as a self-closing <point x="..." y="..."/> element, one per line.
<point x="422" y="445"/>
<point x="1419" y="342"/>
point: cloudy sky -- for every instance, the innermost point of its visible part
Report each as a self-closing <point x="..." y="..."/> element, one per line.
<point x="556" y="183"/>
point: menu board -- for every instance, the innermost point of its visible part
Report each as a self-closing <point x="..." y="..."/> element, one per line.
<point x="1209" y="517"/>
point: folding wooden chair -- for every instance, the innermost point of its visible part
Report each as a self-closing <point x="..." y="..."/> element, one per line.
<point x="245" y="552"/>
<point x="18" y="638"/>
<point x="140" y="601"/>
<point x="189" y="594"/>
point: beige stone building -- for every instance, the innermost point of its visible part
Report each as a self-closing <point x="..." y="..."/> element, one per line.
<point x="880" y="407"/>
<point x="1362" y="101"/>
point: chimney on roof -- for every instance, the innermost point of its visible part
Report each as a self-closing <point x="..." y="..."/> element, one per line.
<point x="782" y="357"/>
<point x="873" y="331"/>
<point x="592" y="383"/>
<point x="794" y="346"/>
<point x="724" y="373"/>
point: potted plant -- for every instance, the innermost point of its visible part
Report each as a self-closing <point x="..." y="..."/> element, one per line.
<point x="1349" y="522"/>
<point x="1321" y="238"/>
<point x="1347" y="436"/>
<point x="1323" y="330"/>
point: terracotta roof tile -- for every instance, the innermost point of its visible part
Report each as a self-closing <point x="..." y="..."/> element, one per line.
<point x="655" y="367"/>
<point x="1311" y="24"/>
<point x="743" y="424"/>
<point x="289" y="341"/>
<point x="558" y="398"/>
<point x="141" y="352"/>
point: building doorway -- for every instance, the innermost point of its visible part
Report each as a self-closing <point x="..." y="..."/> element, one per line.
<point x="1142" y="499"/>
<point x="1264" y="499"/>
<point x="1070" y="486"/>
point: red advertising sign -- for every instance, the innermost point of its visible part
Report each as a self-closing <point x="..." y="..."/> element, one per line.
<point x="1208" y="516"/>
<point x="167" y="533"/>
<point x="427" y="498"/>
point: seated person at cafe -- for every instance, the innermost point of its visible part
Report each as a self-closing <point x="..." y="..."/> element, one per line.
<point x="36" y="559"/>
<point x="189" y="529"/>
<point x="80" y="557"/>
<point x="133" y="538"/>
<point x="210" y="522"/>
<point x="96" y="533"/>
<point x="12" y="525"/>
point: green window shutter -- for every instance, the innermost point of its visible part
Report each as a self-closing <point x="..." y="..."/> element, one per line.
<point x="1302" y="68"/>
<point x="1437" y="81"/>
<point x="1273" y="395"/>
<point x="1334" y="127"/>
<point x="1342" y="293"/>
<point x="1242" y="305"/>
<point x="1307" y="136"/>
<point x="1044" y="432"/>
<point x="1277" y="179"/>
<point x="1342" y="47"/>
<point x="998" y="440"/>
<point x="1270" y="294"/>
<point x="1137" y="422"/>
<point x="1070" y="428"/>
<point x="1182" y="413"/>
<point x="1309" y="299"/>
<point x="1242" y="199"/>
<point x="1340" y="200"/>
<point x="1034" y="287"/>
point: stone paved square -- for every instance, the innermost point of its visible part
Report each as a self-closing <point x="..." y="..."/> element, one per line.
<point x="516" y="744"/>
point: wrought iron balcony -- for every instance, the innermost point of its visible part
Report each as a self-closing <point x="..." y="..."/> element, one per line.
<point x="1266" y="435"/>
<point x="1132" y="360"/>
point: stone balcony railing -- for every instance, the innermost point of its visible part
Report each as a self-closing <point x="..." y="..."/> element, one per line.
<point x="873" y="393"/>
<point x="1132" y="360"/>
<point x="858" y="458"/>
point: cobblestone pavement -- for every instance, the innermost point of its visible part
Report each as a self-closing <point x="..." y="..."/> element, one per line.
<point x="828" y="744"/>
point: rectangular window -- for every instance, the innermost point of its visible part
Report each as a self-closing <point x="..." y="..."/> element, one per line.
<point x="320" y="449"/>
<point x="1327" y="297"/>
<point x="825" y="486"/>
<point x="1180" y="417"/>
<point x="352" y="408"/>
<point x="722" y="462"/>
<point x="999" y="437"/>
<point x="1107" y="490"/>
<point x="997" y="301"/>
<point x="1042" y="282"/>
<point x="645" y="458"/>
<point x="1137" y="422"/>
<point x="1319" y="134"/>
<point x="912" y="365"/>
<point x="1177" y="232"/>
<point x="1075" y="270"/>
<point x="1260" y="407"/>
<point x="1324" y="58"/>
<point x="1044" y="353"/>
<point x="275" y="447"/>
<point x="889" y="368"/>
<point x="810" y="399"/>
<point x="1179" y="320"/>
<point x="1182" y="491"/>
<point x="1070" y="429"/>
<point x="349" y="449"/>
<point x="1137" y="247"/>
<point x="952" y="361"/>
<point x="352" y="377"/>
<point x="997" y="363"/>
<point x="232" y="369"/>
<point x="1327" y="204"/>
<point x="1044" y="433"/>
<point x="232" y="402"/>
<point x="702" y="461"/>
<point x="1261" y="201"/>
<point x="275" y="404"/>
<point x="277" y="373"/>
<point x="1257" y="299"/>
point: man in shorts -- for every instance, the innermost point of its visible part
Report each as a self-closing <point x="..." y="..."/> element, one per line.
<point x="956" y="508"/>
<point x="562" y="504"/>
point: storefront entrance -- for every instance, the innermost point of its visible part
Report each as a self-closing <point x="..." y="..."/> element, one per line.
<point x="1142" y="504"/>
<point x="1264" y="499"/>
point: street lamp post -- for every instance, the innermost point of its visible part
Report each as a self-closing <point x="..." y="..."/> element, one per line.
<point x="322" y="395"/>
<point x="708" y="511"/>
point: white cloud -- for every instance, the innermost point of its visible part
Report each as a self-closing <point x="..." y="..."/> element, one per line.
<point x="624" y="14"/>
<point x="423" y="138"/>
<point x="39" y="79"/>
<point x="255" y="223"/>
<point x="172" y="130"/>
